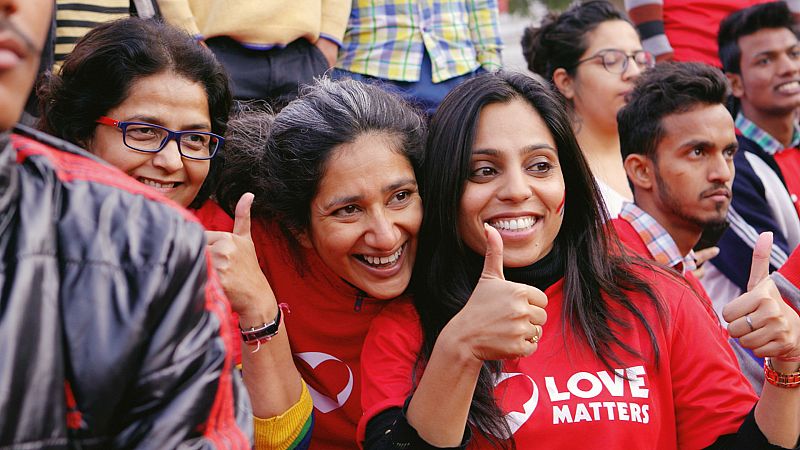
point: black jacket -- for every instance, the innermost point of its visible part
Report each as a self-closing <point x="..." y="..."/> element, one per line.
<point x="105" y="297"/>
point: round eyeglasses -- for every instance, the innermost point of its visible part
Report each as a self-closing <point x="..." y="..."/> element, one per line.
<point x="150" y="138"/>
<point x="616" y="61"/>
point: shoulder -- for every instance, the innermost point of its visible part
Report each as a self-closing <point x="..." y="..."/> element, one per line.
<point x="395" y="330"/>
<point x="213" y="217"/>
<point x="104" y="216"/>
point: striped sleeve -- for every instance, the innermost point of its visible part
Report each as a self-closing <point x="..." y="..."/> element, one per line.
<point x="75" y="18"/>
<point x="289" y="431"/>
<point x="648" y="16"/>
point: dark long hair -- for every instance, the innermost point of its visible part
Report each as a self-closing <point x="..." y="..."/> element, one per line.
<point x="284" y="170"/>
<point x="97" y="76"/>
<point x="593" y="260"/>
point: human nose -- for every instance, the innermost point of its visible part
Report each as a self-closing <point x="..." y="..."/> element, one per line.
<point x="789" y="64"/>
<point x="169" y="158"/>
<point x="632" y="69"/>
<point x="516" y="187"/>
<point x="721" y="170"/>
<point x="383" y="233"/>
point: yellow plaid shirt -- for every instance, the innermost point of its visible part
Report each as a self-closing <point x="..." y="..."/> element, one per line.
<point x="386" y="39"/>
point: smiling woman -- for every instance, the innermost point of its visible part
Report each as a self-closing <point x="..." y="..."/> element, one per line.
<point x="527" y="312"/>
<point x="334" y="227"/>
<point x="134" y="79"/>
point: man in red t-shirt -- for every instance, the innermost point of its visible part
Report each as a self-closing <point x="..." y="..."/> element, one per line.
<point x="678" y="141"/>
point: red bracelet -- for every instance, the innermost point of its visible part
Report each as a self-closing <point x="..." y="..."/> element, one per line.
<point x="781" y="380"/>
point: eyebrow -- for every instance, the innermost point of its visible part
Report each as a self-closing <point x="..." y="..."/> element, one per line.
<point x="706" y="144"/>
<point x="386" y="189"/>
<point x="773" y="52"/>
<point x="526" y="149"/>
<point x="155" y="121"/>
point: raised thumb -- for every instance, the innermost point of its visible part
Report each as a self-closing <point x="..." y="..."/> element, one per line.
<point x="759" y="269"/>
<point x="241" y="220"/>
<point x="493" y="263"/>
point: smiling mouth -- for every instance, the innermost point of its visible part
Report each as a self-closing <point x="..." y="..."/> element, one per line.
<point x="518" y="224"/>
<point x="382" y="262"/>
<point x="156" y="184"/>
<point x="789" y="88"/>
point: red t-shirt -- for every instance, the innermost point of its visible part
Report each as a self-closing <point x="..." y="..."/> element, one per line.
<point x="691" y="26"/>
<point x="562" y="395"/>
<point x="327" y="324"/>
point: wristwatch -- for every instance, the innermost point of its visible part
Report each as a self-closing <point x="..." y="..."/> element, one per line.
<point x="782" y="380"/>
<point x="261" y="333"/>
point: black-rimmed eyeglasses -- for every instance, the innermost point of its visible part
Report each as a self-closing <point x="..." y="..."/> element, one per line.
<point x="616" y="61"/>
<point x="150" y="138"/>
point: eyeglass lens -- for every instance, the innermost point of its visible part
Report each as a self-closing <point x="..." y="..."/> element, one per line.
<point x="616" y="61"/>
<point x="150" y="138"/>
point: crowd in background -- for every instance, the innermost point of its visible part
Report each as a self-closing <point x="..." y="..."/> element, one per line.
<point x="341" y="224"/>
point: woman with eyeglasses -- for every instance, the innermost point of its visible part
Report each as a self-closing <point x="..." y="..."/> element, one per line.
<point x="148" y="99"/>
<point x="592" y="54"/>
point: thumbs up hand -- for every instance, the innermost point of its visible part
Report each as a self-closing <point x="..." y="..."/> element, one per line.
<point x="760" y="318"/>
<point x="501" y="319"/>
<point x="233" y="256"/>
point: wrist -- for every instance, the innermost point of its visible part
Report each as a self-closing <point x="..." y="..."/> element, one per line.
<point x="455" y="348"/>
<point x="257" y="313"/>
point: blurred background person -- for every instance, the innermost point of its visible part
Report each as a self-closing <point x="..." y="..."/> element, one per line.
<point x="591" y="54"/>
<point x="270" y="48"/>
<point x="686" y="30"/>
<point x="421" y="49"/>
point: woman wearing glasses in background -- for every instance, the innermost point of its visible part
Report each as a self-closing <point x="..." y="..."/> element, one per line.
<point x="146" y="98"/>
<point x="592" y="54"/>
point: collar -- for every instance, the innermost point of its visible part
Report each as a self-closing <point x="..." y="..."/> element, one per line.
<point x="658" y="241"/>
<point x="9" y="189"/>
<point x="770" y="145"/>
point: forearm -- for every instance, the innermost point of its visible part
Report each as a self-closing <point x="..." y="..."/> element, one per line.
<point x="269" y="373"/>
<point x="778" y="411"/>
<point x="440" y="419"/>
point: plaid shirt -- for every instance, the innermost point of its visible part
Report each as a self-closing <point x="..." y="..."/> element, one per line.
<point x="657" y="239"/>
<point x="770" y="145"/>
<point x="386" y="38"/>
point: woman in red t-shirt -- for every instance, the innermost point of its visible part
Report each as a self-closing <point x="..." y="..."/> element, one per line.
<point x="529" y="322"/>
<point x="334" y="227"/>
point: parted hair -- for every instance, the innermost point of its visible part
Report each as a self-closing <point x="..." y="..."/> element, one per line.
<point x="443" y="278"/>
<point x="284" y="170"/>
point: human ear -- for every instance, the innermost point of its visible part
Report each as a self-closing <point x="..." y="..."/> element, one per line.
<point x="303" y="238"/>
<point x="737" y="86"/>
<point x="564" y="83"/>
<point x="639" y="169"/>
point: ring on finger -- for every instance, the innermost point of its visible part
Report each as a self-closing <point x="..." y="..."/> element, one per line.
<point x="538" y="335"/>
<point x="749" y="322"/>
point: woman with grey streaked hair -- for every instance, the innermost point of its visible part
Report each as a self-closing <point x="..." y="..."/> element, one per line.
<point x="334" y="227"/>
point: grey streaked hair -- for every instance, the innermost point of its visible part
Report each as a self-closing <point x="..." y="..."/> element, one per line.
<point x="284" y="170"/>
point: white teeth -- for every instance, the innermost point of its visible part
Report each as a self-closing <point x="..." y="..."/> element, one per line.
<point x="155" y="184"/>
<point x="789" y="87"/>
<point x="520" y="223"/>
<point x="382" y="260"/>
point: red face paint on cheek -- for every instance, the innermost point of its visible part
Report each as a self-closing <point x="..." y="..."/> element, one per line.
<point x="560" y="209"/>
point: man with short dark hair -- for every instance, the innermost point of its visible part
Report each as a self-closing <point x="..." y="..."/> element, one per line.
<point x="760" y="54"/>
<point x="113" y="331"/>
<point x="679" y="142"/>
